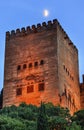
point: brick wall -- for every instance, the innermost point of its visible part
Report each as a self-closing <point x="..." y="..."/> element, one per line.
<point x="41" y="64"/>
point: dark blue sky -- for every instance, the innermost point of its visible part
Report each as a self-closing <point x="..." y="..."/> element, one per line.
<point x="21" y="13"/>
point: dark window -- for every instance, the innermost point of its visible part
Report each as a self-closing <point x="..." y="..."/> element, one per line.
<point x="19" y="67"/>
<point x="65" y="92"/>
<point x="24" y="66"/>
<point x="36" y="64"/>
<point x="68" y="72"/>
<point x="30" y="65"/>
<point x="72" y="78"/>
<point x="41" y="87"/>
<point x="41" y="62"/>
<point x="64" y="67"/>
<point x="30" y="88"/>
<point x="18" y="91"/>
<point x="69" y="97"/>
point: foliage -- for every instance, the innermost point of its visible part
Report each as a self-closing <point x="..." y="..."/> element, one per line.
<point x="1" y="98"/>
<point x="42" y="118"/>
<point x="79" y="118"/>
<point x="7" y="123"/>
<point x="45" y="117"/>
<point x="73" y="126"/>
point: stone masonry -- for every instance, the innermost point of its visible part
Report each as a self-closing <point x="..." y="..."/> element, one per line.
<point x="41" y="64"/>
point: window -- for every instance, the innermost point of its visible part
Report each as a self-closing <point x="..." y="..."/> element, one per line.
<point x="19" y="67"/>
<point x="64" y="67"/>
<point x="41" y="62"/>
<point x="30" y="65"/>
<point x="30" y="88"/>
<point x="24" y="66"/>
<point x="41" y="87"/>
<point x="69" y="97"/>
<point x="36" y="64"/>
<point x="18" y="91"/>
<point x="65" y="92"/>
<point x="66" y="70"/>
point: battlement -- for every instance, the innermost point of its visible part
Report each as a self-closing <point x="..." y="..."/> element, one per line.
<point x="50" y="25"/>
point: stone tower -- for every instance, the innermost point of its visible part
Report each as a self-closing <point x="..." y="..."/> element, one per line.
<point x="41" y="64"/>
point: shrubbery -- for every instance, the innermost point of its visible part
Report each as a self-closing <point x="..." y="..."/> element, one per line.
<point x="45" y="117"/>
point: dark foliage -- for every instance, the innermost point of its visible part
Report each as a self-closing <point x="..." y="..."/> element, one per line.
<point x="45" y="117"/>
<point x="1" y="98"/>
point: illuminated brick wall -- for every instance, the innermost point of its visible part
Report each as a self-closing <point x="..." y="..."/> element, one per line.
<point x="41" y="64"/>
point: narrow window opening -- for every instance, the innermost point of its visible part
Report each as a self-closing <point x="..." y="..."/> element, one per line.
<point x="65" y="92"/>
<point x="68" y="72"/>
<point x="41" y="87"/>
<point x="36" y="64"/>
<point x="24" y="66"/>
<point x="19" y="67"/>
<point x="30" y="65"/>
<point x="30" y="88"/>
<point x="64" y="67"/>
<point x="41" y="62"/>
<point x="18" y="91"/>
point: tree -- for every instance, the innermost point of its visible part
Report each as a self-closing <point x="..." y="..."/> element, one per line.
<point x="1" y="98"/>
<point x="42" y="118"/>
<point x="78" y="117"/>
<point x="7" y="123"/>
<point x="73" y="126"/>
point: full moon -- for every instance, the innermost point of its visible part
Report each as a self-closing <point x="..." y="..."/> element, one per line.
<point x="45" y="13"/>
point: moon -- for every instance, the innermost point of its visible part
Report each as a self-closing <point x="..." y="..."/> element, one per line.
<point x="45" y="12"/>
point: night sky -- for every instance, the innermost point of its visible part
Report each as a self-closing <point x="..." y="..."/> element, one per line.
<point x="21" y="13"/>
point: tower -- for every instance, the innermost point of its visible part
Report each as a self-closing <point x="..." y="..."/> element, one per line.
<point x="41" y="64"/>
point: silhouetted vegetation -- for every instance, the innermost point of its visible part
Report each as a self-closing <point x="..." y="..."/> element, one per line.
<point x="1" y="98"/>
<point x="45" y="117"/>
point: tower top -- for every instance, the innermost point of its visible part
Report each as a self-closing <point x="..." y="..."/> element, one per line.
<point x="40" y="27"/>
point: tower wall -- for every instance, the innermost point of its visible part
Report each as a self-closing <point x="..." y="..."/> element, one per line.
<point x="41" y="64"/>
<point x="24" y="72"/>
<point x="68" y="71"/>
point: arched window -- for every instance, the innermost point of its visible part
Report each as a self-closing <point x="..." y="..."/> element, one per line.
<point x="41" y="87"/>
<point x="24" y="66"/>
<point x="69" y="97"/>
<point x="18" y="91"/>
<point x="36" y="64"/>
<point x="65" y="92"/>
<point x="30" y="65"/>
<point x="41" y="62"/>
<point x="30" y="88"/>
<point x="19" y="67"/>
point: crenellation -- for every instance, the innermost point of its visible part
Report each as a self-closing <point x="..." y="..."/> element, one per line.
<point x="23" y="31"/>
<point x="34" y="29"/>
<point x="13" y="33"/>
<point x="70" y="43"/>
<point x="39" y="27"/>
<point x="7" y="35"/>
<point x="66" y="37"/>
<point x="18" y="33"/>
<point x="55" y="22"/>
<point x="44" y="26"/>
<point x="28" y="29"/>
<point x="49" y="26"/>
